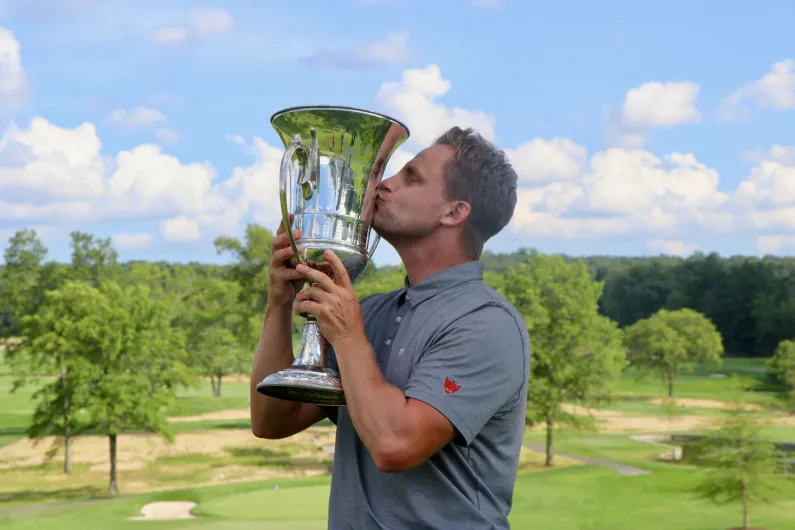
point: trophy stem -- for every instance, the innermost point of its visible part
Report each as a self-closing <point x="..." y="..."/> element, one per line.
<point x="309" y="379"/>
<point x="310" y="354"/>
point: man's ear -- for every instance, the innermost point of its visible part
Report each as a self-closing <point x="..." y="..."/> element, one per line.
<point x="456" y="213"/>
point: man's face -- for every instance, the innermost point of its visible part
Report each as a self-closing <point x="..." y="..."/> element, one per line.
<point x="411" y="203"/>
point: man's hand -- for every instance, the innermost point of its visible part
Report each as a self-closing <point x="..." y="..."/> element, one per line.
<point x="285" y="281"/>
<point x="332" y="301"/>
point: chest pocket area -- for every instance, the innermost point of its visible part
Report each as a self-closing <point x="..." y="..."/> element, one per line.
<point x="406" y="351"/>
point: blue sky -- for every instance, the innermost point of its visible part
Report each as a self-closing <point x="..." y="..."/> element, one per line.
<point x="635" y="129"/>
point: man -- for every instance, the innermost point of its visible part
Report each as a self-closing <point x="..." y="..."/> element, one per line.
<point x="435" y="374"/>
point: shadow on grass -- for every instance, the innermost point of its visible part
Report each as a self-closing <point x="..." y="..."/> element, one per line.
<point x="36" y="496"/>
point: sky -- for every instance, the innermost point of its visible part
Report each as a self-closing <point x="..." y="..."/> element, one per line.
<point x="635" y="128"/>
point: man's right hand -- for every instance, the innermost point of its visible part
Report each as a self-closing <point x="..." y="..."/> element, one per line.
<point x="285" y="281"/>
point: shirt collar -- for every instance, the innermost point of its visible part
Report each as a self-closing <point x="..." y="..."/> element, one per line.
<point x="442" y="280"/>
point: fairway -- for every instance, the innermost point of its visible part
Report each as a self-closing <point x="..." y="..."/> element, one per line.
<point x="241" y="482"/>
<point x="564" y="499"/>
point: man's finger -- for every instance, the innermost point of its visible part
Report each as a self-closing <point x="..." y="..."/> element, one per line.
<point x="316" y="277"/>
<point x="288" y="274"/>
<point x="314" y="293"/>
<point x="282" y="255"/>
<point x="282" y="241"/>
<point x="308" y="306"/>
<point x="341" y="276"/>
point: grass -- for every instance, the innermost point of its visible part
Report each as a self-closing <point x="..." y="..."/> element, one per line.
<point x="571" y="496"/>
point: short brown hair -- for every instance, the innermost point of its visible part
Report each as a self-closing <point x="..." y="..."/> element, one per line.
<point x="481" y="175"/>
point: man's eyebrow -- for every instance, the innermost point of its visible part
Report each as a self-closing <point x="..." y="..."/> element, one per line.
<point x="412" y="170"/>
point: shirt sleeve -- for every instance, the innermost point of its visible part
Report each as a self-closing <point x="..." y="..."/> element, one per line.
<point x="472" y="369"/>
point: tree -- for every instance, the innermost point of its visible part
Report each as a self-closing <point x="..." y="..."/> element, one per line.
<point x="51" y="345"/>
<point x="576" y="352"/>
<point x="220" y="333"/>
<point x="93" y="260"/>
<point x="250" y="268"/>
<point x="138" y="363"/>
<point x="741" y="461"/>
<point x="782" y="367"/>
<point x="20" y="277"/>
<point x="673" y="342"/>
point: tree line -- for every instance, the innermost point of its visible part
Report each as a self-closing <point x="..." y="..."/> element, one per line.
<point x="109" y="345"/>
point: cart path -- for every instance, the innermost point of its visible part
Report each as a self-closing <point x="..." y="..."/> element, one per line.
<point x="621" y="469"/>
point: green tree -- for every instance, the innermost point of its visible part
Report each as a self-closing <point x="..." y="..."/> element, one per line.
<point x="93" y="260"/>
<point x="51" y="349"/>
<point x="220" y="333"/>
<point x="576" y="352"/>
<point x="127" y="361"/>
<point x="673" y="342"/>
<point x="742" y="462"/>
<point x="19" y="280"/>
<point x="782" y="367"/>
<point x="250" y="266"/>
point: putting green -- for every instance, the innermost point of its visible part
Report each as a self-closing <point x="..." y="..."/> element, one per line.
<point x="311" y="502"/>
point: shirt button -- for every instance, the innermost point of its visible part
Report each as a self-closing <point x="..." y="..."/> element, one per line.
<point x="388" y="342"/>
<point x="399" y="318"/>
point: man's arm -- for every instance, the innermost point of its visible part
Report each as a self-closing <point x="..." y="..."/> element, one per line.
<point x="473" y="368"/>
<point x="400" y="433"/>
<point x="271" y="417"/>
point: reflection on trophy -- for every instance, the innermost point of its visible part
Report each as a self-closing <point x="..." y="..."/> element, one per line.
<point x="331" y="197"/>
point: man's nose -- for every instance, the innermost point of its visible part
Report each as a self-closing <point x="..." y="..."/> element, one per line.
<point x="387" y="185"/>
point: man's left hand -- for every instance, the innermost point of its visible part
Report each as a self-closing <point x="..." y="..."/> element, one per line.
<point x="332" y="301"/>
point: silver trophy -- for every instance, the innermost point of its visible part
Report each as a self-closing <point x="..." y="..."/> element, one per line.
<point x="330" y="172"/>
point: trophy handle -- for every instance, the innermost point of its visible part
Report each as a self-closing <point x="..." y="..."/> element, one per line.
<point x="285" y="181"/>
<point x="371" y="251"/>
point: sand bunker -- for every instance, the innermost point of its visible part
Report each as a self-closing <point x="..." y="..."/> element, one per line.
<point x="614" y="421"/>
<point x="166" y="511"/>
<point x="220" y="415"/>
<point x="704" y="403"/>
<point x="134" y="450"/>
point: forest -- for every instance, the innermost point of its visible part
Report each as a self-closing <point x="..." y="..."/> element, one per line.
<point x="750" y="300"/>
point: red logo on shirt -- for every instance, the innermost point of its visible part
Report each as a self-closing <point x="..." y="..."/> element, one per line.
<point x="450" y="386"/>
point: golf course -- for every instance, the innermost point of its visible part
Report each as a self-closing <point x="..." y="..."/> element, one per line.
<point x="215" y="474"/>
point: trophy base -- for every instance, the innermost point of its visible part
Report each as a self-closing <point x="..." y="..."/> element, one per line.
<point x="307" y="385"/>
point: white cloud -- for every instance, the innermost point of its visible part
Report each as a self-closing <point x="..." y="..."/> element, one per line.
<point x="201" y="22"/>
<point x="208" y="21"/>
<point x="540" y="160"/>
<point x="393" y="48"/>
<point x="771" y="182"/>
<point x="671" y="247"/>
<point x="619" y="192"/>
<point x="13" y="80"/>
<point x="132" y="241"/>
<point x="775" y="90"/>
<point x="134" y="118"/>
<point x="772" y="244"/>
<point x="660" y="105"/>
<point x="180" y="229"/>
<point x="167" y="136"/>
<point x="51" y="161"/>
<point x="413" y="99"/>
<point x="49" y="173"/>
<point x="651" y="105"/>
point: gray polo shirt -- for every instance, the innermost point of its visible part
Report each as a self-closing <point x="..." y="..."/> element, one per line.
<point x="458" y="345"/>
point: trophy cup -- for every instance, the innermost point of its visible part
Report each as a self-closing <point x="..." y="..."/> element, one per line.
<point x="330" y="172"/>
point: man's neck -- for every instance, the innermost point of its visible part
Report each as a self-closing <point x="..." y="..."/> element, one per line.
<point x="423" y="259"/>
